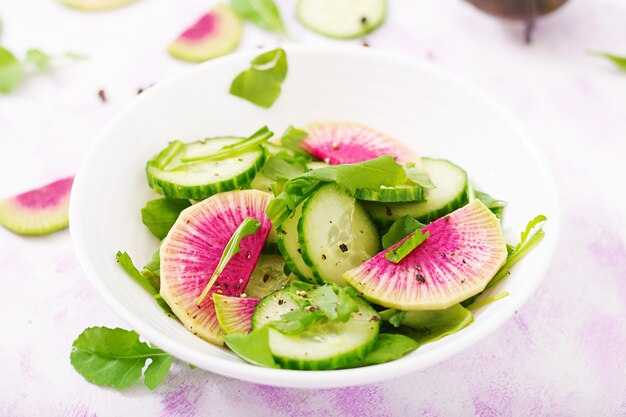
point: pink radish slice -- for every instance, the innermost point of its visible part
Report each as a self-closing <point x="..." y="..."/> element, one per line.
<point x="234" y="313"/>
<point x="464" y="251"/>
<point x="348" y="143"/>
<point x="216" y="33"/>
<point x="40" y="211"/>
<point x="193" y="247"/>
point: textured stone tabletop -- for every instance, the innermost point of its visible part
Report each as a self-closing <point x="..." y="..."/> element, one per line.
<point x="562" y="354"/>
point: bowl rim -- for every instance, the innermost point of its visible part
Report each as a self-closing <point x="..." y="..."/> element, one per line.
<point x="331" y="378"/>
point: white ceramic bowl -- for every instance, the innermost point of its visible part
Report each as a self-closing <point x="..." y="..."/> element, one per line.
<point x="431" y="111"/>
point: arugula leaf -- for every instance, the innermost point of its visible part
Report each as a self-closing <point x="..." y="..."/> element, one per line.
<point x="406" y="247"/>
<point x="619" y="61"/>
<point x="248" y="226"/>
<point x="261" y="84"/>
<point x="489" y="300"/>
<point x="427" y="326"/>
<point x="262" y="13"/>
<point x="293" y="137"/>
<point x="278" y="168"/>
<point x="160" y="215"/>
<point x="369" y="174"/>
<point x="397" y="317"/>
<point x="11" y="71"/>
<point x="259" y="137"/>
<point x="496" y="206"/>
<point x="148" y="284"/>
<point x="346" y="304"/>
<point x="152" y="270"/>
<point x="325" y="299"/>
<point x="529" y="227"/>
<point x="400" y="229"/>
<point x="39" y="59"/>
<point x="253" y="347"/>
<point x="389" y="347"/>
<point x="116" y="357"/>
<point x="418" y="176"/>
<point x="297" y="321"/>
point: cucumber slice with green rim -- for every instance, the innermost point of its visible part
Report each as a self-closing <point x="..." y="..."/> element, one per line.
<point x="450" y="194"/>
<point x="268" y="276"/>
<point x="336" y="233"/>
<point x="399" y="194"/>
<point x="169" y="176"/>
<point x="343" y="19"/>
<point x="289" y="245"/>
<point x="327" y="344"/>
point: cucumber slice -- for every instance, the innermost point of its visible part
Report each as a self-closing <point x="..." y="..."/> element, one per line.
<point x="401" y="193"/>
<point x="327" y="344"/>
<point x="343" y="19"/>
<point x="268" y="276"/>
<point x="450" y="193"/>
<point x="169" y="176"/>
<point x="289" y="245"/>
<point x="336" y="233"/>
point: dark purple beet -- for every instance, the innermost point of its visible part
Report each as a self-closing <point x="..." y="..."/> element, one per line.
<point x="526" y="10"/>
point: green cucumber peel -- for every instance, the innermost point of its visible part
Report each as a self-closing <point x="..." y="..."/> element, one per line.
<point x="248" y="226"/>
<point x="256" y="139"/>
<point x="382" y="171"/>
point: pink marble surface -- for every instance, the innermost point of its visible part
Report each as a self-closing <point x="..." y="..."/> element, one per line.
<point x="563" y="353"/>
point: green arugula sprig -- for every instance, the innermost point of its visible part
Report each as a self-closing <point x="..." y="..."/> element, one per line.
<point x="13" y="71"/>
<point x="248" y="226"/>
<point x="369" y="174"/>
<point x="160" y="215"/>
<point x="619" y="61"/>
<point x="261" y="84"/>
<point x="406" y="247"/>
<point x="116" y="358"/>
<point x="400" y="229"/>
<point x="263" y="13"/>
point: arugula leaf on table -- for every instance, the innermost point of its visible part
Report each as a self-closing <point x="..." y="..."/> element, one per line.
<point x="263" y="13"/>
<point x="248" y="226"/>
<point x="160" y="215"/>
<point x="369" y="174"/>
<point x="11" y="71"/>
<point x="253" y="347"/>
<point x="496" y="206"/>
<point x="39" y="59"/>
<point x="261" y="83"/>
<point x="406" y="247"/>
<point x="400" y="229"/>
<point x="389" y="347"/>
<point x="619" y="61"/>
<point x="116" y="358"/>
<point x="146" y="283"/>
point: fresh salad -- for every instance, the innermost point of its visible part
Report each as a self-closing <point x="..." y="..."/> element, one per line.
<point x="332" y="246"/>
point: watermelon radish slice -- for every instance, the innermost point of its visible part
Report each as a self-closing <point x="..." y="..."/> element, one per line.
<point x="193" y="247"/>
<point x="40" y="211"/>
<point x="234" y="314"/>
<point x="349" y="143"/>
<point x="464" y="251"/>
<point x="214" y="34"/>
<point x="96" y="5"/>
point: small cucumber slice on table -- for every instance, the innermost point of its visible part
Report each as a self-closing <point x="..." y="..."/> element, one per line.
<point x="289" y="245"/>
<point x="268" y="276"/>
<point x="399" y="194"/>
<point x="343" y="19"/>
<point x="326" y="344"/>
<point x="450" y="193"/>
<point x="336" y="233"/>
<point x="170" y="176"/>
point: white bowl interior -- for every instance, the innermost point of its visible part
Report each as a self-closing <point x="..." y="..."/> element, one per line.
<point x="430" y="111"/>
